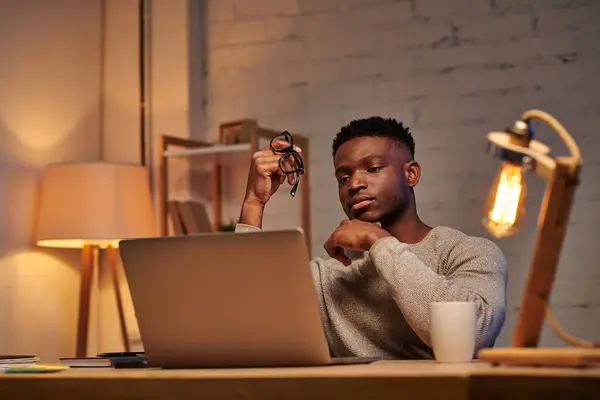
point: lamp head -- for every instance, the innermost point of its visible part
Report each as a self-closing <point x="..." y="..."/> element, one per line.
<point x="504" y="206"/>
<point x="93" y="204"/>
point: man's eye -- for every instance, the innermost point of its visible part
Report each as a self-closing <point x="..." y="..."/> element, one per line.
<point x="374" y="169"/>
<point x="343" y="180"/>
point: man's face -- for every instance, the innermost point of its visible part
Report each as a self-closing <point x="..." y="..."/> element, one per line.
<point x="374" y="176"/>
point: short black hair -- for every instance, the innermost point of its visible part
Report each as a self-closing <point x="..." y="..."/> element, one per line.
<point x="375" y="126"/>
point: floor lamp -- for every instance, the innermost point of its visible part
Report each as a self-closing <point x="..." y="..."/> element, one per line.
<point x="91" y="206"/>
<point x="503" y="214"/>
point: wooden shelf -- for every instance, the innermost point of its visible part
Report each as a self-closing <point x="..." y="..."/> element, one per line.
<point x="235" y="136"/>
<point x="215" y="149"/>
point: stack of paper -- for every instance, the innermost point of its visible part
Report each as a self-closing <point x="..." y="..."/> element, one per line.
<point x="8" y="361"/>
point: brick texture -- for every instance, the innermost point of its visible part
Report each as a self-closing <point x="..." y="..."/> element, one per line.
<point x="452" y="71"/>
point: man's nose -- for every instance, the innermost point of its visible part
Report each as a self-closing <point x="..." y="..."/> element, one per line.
<point x="357" y="182"/>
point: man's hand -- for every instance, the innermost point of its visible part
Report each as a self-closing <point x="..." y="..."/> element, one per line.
<point x="264" y="178"/>
<point x="353" y="235"/>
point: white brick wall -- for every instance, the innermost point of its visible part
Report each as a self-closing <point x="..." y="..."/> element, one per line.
<point x="452" y="71"/>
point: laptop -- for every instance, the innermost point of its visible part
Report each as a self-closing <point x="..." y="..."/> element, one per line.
<point x="227" y="300"/>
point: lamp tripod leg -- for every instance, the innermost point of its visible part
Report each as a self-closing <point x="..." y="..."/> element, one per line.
<point x="112" y="262"/>
<point x="87" y="269"/>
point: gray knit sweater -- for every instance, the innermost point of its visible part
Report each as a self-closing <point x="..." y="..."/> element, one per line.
<point x="379" y="305"/>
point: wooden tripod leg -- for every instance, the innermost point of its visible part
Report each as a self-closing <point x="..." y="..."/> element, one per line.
<point x="552" y="225"/>
<point x="87" y="269"/>
<point x="112" y="263"/>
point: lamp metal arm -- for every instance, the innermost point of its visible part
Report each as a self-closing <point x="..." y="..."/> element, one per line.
<point x="559" y="129"/>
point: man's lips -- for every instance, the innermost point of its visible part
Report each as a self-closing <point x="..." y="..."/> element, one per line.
<point x="361" y="203"/>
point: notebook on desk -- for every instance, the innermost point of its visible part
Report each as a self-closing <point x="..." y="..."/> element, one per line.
<point x="226" y="300"/>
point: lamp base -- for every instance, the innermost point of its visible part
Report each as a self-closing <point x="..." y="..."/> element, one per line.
<point x="542" y="356"/>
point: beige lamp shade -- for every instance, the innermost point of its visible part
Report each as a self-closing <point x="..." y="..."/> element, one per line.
<point x="96" y="203"/>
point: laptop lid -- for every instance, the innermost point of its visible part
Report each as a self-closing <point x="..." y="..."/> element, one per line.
<point x="225" y="299"/>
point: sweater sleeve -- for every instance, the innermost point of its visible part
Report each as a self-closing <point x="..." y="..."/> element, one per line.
<point x="240" y="228"/>
<point x="475" y="270"/>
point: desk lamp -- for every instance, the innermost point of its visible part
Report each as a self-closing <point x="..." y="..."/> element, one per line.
<point x="91" y="206"/>
<point x="503" y="215"/>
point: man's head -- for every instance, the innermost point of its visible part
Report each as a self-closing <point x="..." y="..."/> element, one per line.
<point x="375" y="169"/>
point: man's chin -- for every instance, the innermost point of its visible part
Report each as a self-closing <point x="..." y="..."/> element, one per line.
<point x="367" y="217"/>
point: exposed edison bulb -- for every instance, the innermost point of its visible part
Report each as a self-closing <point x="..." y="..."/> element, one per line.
<point x="504" y="207"/>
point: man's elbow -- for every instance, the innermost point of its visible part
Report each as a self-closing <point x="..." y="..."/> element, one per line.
<point x="490" y="320"/>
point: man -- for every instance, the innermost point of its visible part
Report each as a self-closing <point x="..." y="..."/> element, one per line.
<point x="386" y="265"/>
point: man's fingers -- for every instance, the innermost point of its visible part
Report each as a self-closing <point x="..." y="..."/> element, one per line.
<point x="329" y="245"/>
<point x="262" y="156"/>
<point x="286" y="164"/>
<point x="267" y="164"/>
<point x="268" y="168"/>
<point x="339" y="255"/>
<point x="335" y="251"/>
<point x="268" y="158"/>
<point x="280" y="144"/>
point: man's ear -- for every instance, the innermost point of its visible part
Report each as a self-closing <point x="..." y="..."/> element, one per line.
<point x="413" y="173"/>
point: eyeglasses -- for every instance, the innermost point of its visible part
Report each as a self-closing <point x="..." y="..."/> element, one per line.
<point x="290" y="162"/>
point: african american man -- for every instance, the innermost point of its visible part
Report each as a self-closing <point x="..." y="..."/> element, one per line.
<point x="386" y="265"/>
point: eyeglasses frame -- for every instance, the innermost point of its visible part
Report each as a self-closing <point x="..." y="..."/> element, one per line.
<point x="287" y="152"/>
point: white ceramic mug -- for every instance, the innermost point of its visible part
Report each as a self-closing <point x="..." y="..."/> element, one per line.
<point x="452" y="327"/>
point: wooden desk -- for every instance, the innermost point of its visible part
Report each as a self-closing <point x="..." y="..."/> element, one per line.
<point x="381" y="380"/>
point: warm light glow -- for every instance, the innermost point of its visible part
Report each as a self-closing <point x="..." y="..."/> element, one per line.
<point x="77" y="243"/>
<point x="507" y="198"/>
<point x="504" y="205"/>
<point x="49" y="102"/>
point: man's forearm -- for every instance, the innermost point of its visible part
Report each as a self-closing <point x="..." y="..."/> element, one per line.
<point x="252" y="213"/>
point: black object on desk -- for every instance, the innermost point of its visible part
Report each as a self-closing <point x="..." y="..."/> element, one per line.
<point x="122" y="354"/>
<point x="126" y="359"/>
